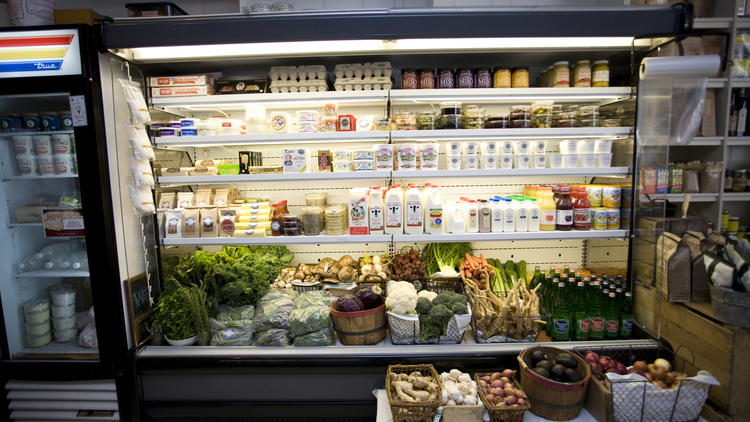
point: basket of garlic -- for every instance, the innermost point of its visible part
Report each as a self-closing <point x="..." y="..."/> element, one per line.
<point x="460" y="398"/>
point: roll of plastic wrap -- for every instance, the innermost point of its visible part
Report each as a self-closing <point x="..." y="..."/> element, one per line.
<point x="680" y="67"/>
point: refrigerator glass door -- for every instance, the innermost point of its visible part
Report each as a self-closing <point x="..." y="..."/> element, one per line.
<point x="44" y="278"/>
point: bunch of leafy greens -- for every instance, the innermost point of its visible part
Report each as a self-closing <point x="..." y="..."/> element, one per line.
<point x="444" y="258"/>
<point x="174" y="315"/>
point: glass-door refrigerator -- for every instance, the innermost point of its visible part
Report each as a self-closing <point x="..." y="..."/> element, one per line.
<point x="60" y="297"/>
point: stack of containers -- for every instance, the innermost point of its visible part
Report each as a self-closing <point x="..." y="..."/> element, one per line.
<point x="330" y="117"/>
<point x="428" y="156"/>
<point x="489" y="150"/>
<point x="522" y="151"/>
<point x="181" y="86"/>
<point x="603" y="153"/>
<point x="505" y="158"/>
<point x="363" y="160"/>
<point x="45" y="155"/>
<point x="568" y="154"/>
<point x="363" y="77"/>
<point x="36" y="317"/>
<point x="406" y="157"/>
<point x="586" y="157"/>
<point x="538" y="154"/>
<point x="342" y="160"/>
<point x="63" y="312"/>
<point x="383" y="156"/>
<point x="308" y="78"/>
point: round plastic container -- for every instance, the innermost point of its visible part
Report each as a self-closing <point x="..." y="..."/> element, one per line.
<point x="62" y="336"/>
<point x="65" y="164"/>
<point x="555" y="161"/>
<point x="62" y="295"/>
<point x="42" y="144"/>
<point x="454" y="162"/>
<point x="36" y="305"/>
<point x="62" y="143"/>
<point x="313" y="220"/>
<point x="36" y="317"/>
<point x="38" y="329"/>
<point x="586" y="160"/>
<point x="316" y="199"/>
<point x="23" y="144"/>
<point x="453" y="148"/>
<point x="450" y="107"/>
<point x="496" y="122"/>
<point x="65" y="323"/>
<point x="506" y="161"/>
<point x="570" y="161"/>
<point x="46" y="164"/>
<point x="63" y="311"/>
<point x="603" y="160"/>
<point x="38" y="341"/>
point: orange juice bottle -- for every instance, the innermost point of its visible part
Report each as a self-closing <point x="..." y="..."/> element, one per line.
<point x="547" y="215"/>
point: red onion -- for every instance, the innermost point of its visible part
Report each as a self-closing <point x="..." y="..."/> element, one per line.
<point x="591" y="356"/>
<point x="508" y="373"/>
<point x="521" y="402"/>
<point x="497" y="384"/>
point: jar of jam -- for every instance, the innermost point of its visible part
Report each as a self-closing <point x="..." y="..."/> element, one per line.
<point x="279" y="209"/>
<point x="582" y="74"/>
<point x="501" y="78"/>
<point x="600" y="74"/>
<point x="520" y="77"/>
<point x="739" y="179"/>
<point x="409" y="79"/>
<point x="561" y="75"/>
<point x="426" y="79"/>
<point x="465" y="78"/>
<point x="482" y="78"/>
<point x="446" y="78"/>
<point x="564" y="212"/>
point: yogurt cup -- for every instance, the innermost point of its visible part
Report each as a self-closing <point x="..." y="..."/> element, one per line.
<point x="538" y="147"/>
<point x="505" y="147"/>
<point x="168" y="131"/>
<point x="65" y="323"/>
<point x="523" y="161"/>
<point x="568" y="147"/>
<point x="65" y="165"/>
<point x="42" y="144"/>
<point x="23" y="144"/>
<point x="189" y="132"/>
<point x="489" y="148"/>
<point x="62" y="295"/>
<point x="506" y="161"/>
<point x="46" y="164"/>
<point x="522" y="147"/>
<point x="471" y="161"/>
<point x="555" y="161"/>
<point x="539" y="160"/>
<point x="586" y="146"/>
<point x="36" y="317"/>
<point x="587" y="160"/>
<point x="27" y="165"/>
<point x="603" y="160"/>
<point x="489" y="161"/>
<point x="454" y="162"/>
<point x="37" y="329"/>
<point x="38" y="341"/>
<point x="453" y="148"/>
<point x="175" y="124"/>
<point x="602" y="146"/>
<point x="471" y="147"/>
<point x="62" y="336"/>
<point x="50" y="120"/>
<point x="36" y="305"/>
<point x="62" y="143"/>
<point x="570" y="161"/>
<point x="63" y="311"/>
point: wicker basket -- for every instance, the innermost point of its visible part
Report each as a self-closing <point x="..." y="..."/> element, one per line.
<point x="413" y="411"/>
<point x="301" y="287"/>
<point x="359" y="328"/>
<point x="550" y="399"/>
<point x="501" y="413"/>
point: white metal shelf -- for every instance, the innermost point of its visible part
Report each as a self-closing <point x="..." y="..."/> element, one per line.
<point x="275" y="240"/>
<point x="717" y="82"/>
<point x="35" y="132"/>
<point x="738" y="141"/>
<point x="736" y="196"/>
<point x="680" y="197"/>
<point x="277" y="177"/>
<point x="701" y="141"/>
<point x="712" y="23"/>
<point x="53" y="274"/>
<point x="50" y="177"/>
<point x="540" y="235"/>
<point x="285" y="100"/>
<point x="21" y="225"/>
<point x="418" y="174"/>
<point x="271" y="138"/>
<point x="524" y="133"/>
<point x="743" y="23"/>
<point x="740" y="82"/>
<point x="55" y="348"/>
<point x="509" y="95"/>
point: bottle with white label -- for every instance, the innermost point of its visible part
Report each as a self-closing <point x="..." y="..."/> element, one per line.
<point x="455" y="221"/>
<point x="433" y="210"/>
<point x="509" y="216"/>
<point x="471" y="215"/>
<point x="414" y="211"/>
<point x="521" y="215"/>
<point x="497" y="206"/>
<point x="377" y="222"/>
<point x="394" y="210"/>
<point x="534" y="213"/>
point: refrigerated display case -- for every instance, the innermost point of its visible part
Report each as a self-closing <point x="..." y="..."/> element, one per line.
<point x="260" y="379"/>
<point x="61" y="303"/>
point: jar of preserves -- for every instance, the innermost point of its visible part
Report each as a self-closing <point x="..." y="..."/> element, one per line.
<point x="739" y="180"/>
<point x="405" y="120"/>
<point x="501" y="78"/>
<point x="278" y="210"/>
<point x="520" y="77"/>
<point x="450" y="121"/>
<point x="409" y="79"/>
<point x="482" y="78"/>
<point x="464" y="78"/>
<point x="541" y="120"/>
<point x="582" y="74"/>
<point x="450" y="107"/>
<point x="426" y="79"/>
<point x="561" y="75"/>
<point x="600" y="74"/>
<point x="446" y="78"/>
<point x="312" y="220"/>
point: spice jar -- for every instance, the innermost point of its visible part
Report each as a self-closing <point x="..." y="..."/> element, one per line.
<point x="482" y="78"/>
<point x="739" y="180"/>
<point x="582" y="74"/>
<point x="465" y="78"/>
<point x="446" y="78"/>
<point x="409" y="79"/>
<point x="600" y="74"/>
<point x="728" y="182"/>
<point x="501" y="78"/>
<point x="427" y="120"/>
<point x="561" y="75"/>
<point x="520" y="77"/>
<point x="313" y="218"/>
<point x="426" y="79"/>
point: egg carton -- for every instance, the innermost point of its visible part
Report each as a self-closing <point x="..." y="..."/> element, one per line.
<point x="364" y="84"/>
<point x="293" y="73"/>
<point x="299" y="86"/>
<point x="363" y="70"/>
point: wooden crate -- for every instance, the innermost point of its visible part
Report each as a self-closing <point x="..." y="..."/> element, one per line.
<point x="718" y="348"/>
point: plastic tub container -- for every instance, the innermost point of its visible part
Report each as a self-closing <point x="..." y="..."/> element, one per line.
<point x="313" y="218"/>
<point x="453" y="148"/>
<point x="36" y="305"/>
<point x="505" y="147"/>
<point x="506" y="161"/>
<point x="523" y="161"/>
<point x="471" y="147"/>
<point x="538" y="147"/>
<point x="62" y="336"/>
<point x="38" y="329"/>
<point x="36" y="317"/>
<point x="522" y="147"/>
<point x="64" y="323"/>
<point x="603" y="160"/>
<point x="63" y="311"/>
<point x="539" y="160"/>
<point x="603" y="146"/>
<point x="587" y="160"/>
<point x="568" y="147"/>
<point x="555" y="161"/>
<point x="472" y="162"/>
<point x="489" y="147"/>
<point x="27" y="164"/>
<point x="38" y="341"/>
<point x="316" y="199"/>
<point x="586" y="146"/>
<point x="454" y="162"/>
<point x="62" y="295"/>
<point x="489" y="161"/>
<point x="569" y="161"/>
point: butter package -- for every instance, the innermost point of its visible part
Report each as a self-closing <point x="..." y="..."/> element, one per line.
<point x="184" y="80"/>
<point x="203" y="171"/>
<point x="265" y="170"/>
<point x="250" y="233"/>
<point x="182" y="91"/>
<point x="295" y="160"/>
<point x="253" y="218"/>
<point x="256" y="206"/>
<point x="258" y="225"/>
<point x="230" y="169"/>
<point x="325" y="163"/>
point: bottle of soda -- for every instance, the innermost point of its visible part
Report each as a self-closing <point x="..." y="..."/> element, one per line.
<point x="554" y="292"/>
<point x="566" y="270"/>
<point x="536" y="279"/>
<point x="596" y="316"/>
<point x="561" y="315"/>
<point x="580" y="314"/>
<point x="611" y="318"/>
<point x="626" y="316"/>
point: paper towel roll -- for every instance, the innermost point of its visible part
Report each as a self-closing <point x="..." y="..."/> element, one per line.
<point x="680" y="67"/>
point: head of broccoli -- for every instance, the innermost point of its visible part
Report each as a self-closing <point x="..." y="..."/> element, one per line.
<point x="449" y="299"/>
<point x="460" y="309"/>
<point x="423" y="305"/>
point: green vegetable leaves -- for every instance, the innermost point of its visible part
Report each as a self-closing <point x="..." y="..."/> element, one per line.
<point x="445" y="257"/>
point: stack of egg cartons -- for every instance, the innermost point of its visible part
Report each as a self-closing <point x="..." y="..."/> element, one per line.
<point x="63" y="312"/>
<point x="363" y="77"/>
<point x="310" y="78"/>
<point x="36" y="318"/>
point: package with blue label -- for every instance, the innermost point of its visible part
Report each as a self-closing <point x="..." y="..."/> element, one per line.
<point x="295" y="160"/>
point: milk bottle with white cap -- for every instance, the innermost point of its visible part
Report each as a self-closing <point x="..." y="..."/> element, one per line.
<point x="433" y="210"/>
<point x="414" y="211"/>
<point x="394" y="206"/>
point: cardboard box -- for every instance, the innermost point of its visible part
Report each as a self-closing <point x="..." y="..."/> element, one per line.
<point x="243" y="86"/>
<point x="295" y="160"/>
<point x="673" y="268"/>
<point x="182" y="91"/>
<point x="708" y="124"/>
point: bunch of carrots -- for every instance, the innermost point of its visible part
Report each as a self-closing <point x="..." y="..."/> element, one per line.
<point x="477" y="270"/>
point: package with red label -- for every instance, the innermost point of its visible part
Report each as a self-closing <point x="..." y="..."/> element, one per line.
<point x="358" y="211"/>
<point x="182" y="91"/>
<point x="184" y="80"/>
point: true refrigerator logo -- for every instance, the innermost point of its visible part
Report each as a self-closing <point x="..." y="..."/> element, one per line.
<point x="39" y="53"/>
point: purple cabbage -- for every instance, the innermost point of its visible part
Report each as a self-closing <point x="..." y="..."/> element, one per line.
<point x="371" y="296"/>
<point x="349" y="303"/>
